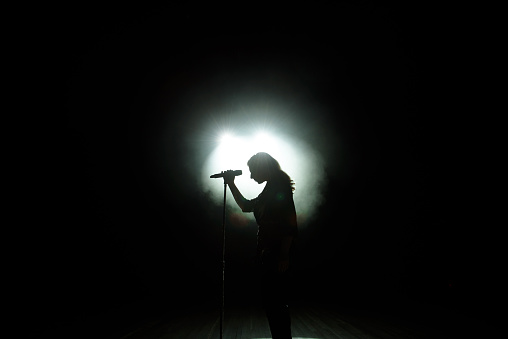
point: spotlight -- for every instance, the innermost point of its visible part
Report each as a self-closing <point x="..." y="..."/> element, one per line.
<point x="263" y="141"/>
<point x="301" y="162"/>
<point x="226" y="138"/>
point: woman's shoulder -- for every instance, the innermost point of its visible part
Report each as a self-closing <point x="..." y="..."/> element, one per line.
<point x="280" y="182"/>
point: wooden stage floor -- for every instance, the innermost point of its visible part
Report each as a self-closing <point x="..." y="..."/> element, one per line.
<point x="307" y="322"/>
<point x="246" y="320"/>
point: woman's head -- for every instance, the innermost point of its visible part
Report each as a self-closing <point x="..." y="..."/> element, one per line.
<point x="263" y="167"/>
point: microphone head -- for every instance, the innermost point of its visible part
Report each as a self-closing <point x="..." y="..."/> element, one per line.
<point x="223" y="173"/>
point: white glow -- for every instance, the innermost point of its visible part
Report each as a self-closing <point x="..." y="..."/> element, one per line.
<point x="226" y="138"/>
<point x="298" y="160"/>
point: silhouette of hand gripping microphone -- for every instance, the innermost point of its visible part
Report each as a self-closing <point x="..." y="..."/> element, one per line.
<point x="228" y="175"/>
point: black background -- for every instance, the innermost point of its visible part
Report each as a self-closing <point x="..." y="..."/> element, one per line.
<point x="115" y="222"/>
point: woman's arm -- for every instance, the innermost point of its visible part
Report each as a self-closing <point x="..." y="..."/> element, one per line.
<point x="240" y="200"/>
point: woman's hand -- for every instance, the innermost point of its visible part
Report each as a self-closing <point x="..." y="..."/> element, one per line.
<point x="229" y="178"/>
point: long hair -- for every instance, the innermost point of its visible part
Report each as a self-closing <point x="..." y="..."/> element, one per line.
<point x="265" y="161"/>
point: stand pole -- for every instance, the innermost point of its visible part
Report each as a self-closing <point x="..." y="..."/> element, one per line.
<point x="223" y="261"/>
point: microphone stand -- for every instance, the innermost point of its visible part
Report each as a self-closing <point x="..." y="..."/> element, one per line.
<point x="223" y="260"/>
<point x="222" y="175"/>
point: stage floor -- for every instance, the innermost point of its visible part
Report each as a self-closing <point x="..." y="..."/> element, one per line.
<point x="321" y="322"/>
<point x="248" y="321"/>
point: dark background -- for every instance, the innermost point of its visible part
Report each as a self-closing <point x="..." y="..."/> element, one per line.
<point x="116" y="223"/>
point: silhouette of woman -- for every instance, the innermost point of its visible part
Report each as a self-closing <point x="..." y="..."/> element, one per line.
<point x="275" y="214"/>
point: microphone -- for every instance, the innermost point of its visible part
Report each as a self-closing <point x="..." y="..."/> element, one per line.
<point x="224" y="173"/>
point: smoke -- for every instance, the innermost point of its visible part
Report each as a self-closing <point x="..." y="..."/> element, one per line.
<point x="303" y="163"/>
<point x="273" y="115"/>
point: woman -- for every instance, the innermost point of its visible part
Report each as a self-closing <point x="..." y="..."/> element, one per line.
<point x="275" y="214"/>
